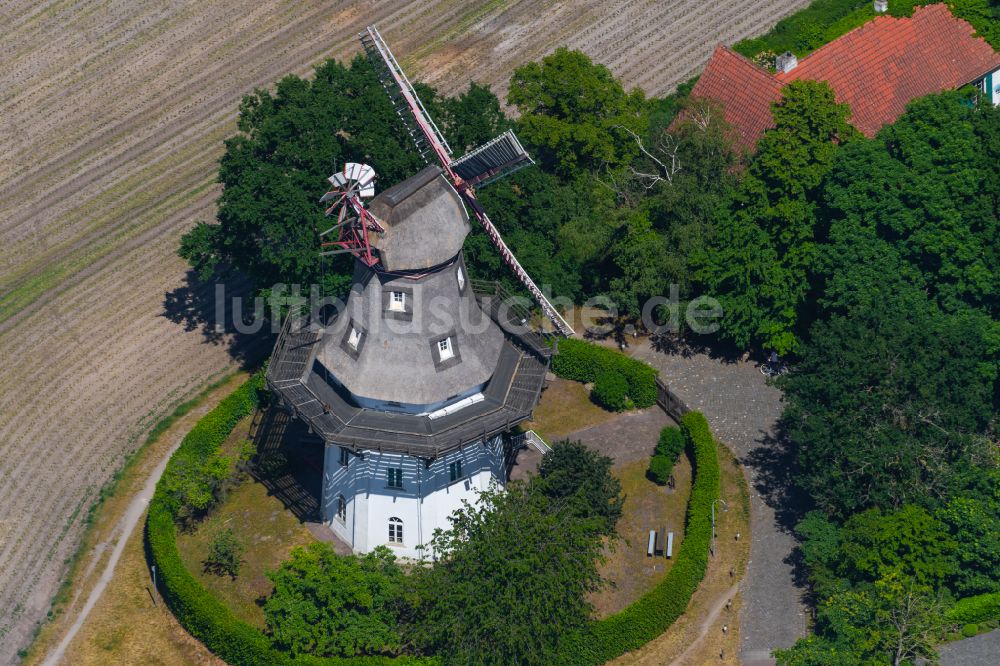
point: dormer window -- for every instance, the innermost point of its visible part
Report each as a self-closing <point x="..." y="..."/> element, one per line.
<point x="398" y="301"/>
<point x="445" y="350"/>
<point x="354" y="339"/>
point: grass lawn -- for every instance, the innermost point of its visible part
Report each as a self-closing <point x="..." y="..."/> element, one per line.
<point x="697" y="637"/>
<point x="565" y="407"/>
<point x="647" y="506"/>
<point x="262" y="524"/>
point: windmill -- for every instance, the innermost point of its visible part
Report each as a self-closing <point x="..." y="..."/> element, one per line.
<point x="487" y="163"/>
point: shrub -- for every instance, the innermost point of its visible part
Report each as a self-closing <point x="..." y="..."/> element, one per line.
<point x="225" y="554"/>
<point x="611" y="391"/>
<point x="650" y="616"/>
<point x="583" y="361"/>
<point x="671" y="442"/>
<point x="970" y="630"/>
<point x="659" y="469"/>
<point x="981" y="608"/>
<point x="668" y="450"/>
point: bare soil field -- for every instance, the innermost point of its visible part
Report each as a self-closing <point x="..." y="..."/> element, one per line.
<point x="112" y="117"/>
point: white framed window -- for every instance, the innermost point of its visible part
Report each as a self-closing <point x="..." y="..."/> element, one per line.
<point x="342" y="508"/>
<point x="445" y="350"/>
<point x="354" y="339"/>
<point x="460" y="275"/>
<point x="395" y="530"/>
<point x="397" y="302"/>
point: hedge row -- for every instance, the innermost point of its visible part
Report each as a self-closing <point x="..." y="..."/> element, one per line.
<point x="650" y="616"/>
<point x="584" y="361"/>
<point x="981" y="608"/>
<point x="198" y="611"/>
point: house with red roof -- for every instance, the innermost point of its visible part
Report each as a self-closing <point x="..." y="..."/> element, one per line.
<point x="876" y="69"/>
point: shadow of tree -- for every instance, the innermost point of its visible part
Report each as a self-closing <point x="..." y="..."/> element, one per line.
<point x="690" y="345"/>
<point x="216" y="308"/>
<point x="773" y="466"/>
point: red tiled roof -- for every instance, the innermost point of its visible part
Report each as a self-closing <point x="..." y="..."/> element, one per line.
<point x="745" y="90"/>
<point x="876" y="69"/>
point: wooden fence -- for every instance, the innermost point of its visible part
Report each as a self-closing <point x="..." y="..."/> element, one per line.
<point x="669" y="402"/>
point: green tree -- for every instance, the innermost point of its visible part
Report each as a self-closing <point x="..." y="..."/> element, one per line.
<point x="225" y="554"/>
<point x="573" y="472"/>
<point x="974" y="523"/>
<point x="921" y="201"/>
<point x="891" y="403"/>
<point x="510" y="582"/>
<point x="640" y="255"/>
<point x="574" y="113"/>
<point x="894" y="622"/>
<point x="472" y="118"/>
<point x="327" y="604"/>
<point x="909" y="542"/>
<point x="760" y="262"/>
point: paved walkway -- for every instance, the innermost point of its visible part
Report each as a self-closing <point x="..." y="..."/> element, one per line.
<point x="981" y="650"/>
<point x="742" y="410"/>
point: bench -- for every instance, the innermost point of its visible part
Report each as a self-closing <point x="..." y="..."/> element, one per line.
<point x="670" y="544"/>
<point x="652" y="541"/>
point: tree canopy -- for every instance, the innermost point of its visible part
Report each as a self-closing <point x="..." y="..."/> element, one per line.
<point x="575" y="113"/>
<point x="327" y="604"/>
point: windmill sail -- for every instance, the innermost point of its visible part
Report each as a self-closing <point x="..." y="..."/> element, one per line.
<point x="493" y="160"/>
<point x="418" y="123"/>
<point x="499" y="157"/>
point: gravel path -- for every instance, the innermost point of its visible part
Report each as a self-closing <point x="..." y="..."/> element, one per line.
<point x="982" y="650"/>
<point x="742" y="409"/>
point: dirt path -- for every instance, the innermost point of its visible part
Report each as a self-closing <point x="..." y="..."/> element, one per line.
<point x="111" y="125"/>
<point x="133" y="514"/>
<point x="710" y="621"/>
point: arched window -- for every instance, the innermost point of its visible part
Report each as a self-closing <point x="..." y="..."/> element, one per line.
<point x="342" y="508"/>
<point x="395" y="530"/>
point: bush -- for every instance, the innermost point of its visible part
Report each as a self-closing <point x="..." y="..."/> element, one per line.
<point x="650" y="616"/>
<point x="659" y="469"/>
<point x="671" y="443"/>
<point x="668" y="450"/>
<point x="583" y="361"/>
<point x="225" y="554"/>
<point x="198" y="611"/>
<point x="611" y="392"/>
<point x="970" y="630"/>
<point x="981" y="608"/>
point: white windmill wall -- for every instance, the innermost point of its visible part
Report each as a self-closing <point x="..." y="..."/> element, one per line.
<point x="424" y="503"/>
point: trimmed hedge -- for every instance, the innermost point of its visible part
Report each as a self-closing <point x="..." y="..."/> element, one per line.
<point x="650" y="616"/>
<point x="198" y="611"/>
<point x="668" y="449"/>
<point x="981" y="608"/>
<point x="584" y="361"/>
